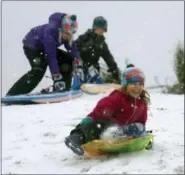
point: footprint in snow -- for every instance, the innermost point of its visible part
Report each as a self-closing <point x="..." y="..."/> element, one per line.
<point x="8" y="158"/>
<point x="84" y="170"/>
<point x="17" y="162"/>
<point x="49" y="134"/>
<point x="179" y="170"/>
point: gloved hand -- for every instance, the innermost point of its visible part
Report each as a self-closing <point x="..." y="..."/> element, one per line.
<point x="85" y="121"/>
<point x="134" y="129"/>
<point x="77" y="62"/>
<point x="115" y="74"/>
<point x="58" y="83"/>
<point x="93" y="74"/>
<point x="78" y="69"/>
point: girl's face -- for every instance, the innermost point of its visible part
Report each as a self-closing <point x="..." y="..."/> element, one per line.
<point x="135" y="89"/>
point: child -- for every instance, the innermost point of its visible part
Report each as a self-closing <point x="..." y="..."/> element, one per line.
<point x="92" y="46"/>
<point x="40" y="46"/>
<point x="125" y="107"/>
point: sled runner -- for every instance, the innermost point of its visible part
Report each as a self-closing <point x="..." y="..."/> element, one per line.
<point x="41" y="98"/>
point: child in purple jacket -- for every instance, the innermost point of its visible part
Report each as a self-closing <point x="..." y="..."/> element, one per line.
<point x="40" y="46"/>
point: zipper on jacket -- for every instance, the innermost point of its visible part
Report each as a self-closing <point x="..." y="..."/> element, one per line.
<point x="132" y="113"/>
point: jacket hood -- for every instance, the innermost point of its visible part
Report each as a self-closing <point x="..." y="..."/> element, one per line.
<point x="55" y="19"/>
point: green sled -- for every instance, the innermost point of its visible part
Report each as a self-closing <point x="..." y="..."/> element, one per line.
<point x="125" y="145"/>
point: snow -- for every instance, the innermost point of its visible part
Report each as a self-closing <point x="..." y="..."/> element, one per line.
<point x="32" y="139"/>
<point x="32" y="136"/>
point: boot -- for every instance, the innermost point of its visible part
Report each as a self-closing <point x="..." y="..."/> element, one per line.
<point x="74" y="141"/>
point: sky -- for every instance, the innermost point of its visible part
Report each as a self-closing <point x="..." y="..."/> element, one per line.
<point x="146" y="32"/>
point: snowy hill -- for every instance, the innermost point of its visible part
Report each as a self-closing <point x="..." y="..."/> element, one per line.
<point x="32" y="139"/>
<point x="145" y="32"/>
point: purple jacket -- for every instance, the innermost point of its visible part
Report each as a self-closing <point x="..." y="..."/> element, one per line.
<point x="46" y="38"/>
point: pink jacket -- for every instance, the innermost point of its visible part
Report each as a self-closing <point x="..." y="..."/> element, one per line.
<point x="120" y="108"/>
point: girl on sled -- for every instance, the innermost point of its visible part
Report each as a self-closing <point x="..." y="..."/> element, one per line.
<point x="125" y="107"/>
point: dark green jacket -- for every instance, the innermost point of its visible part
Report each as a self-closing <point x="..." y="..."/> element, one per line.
<point x="91" y="47"/>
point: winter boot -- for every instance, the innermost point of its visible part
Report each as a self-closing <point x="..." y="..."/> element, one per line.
<point x="74" y="141"/>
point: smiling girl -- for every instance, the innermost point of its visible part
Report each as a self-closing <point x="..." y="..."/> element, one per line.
<point x="125" y="107"/>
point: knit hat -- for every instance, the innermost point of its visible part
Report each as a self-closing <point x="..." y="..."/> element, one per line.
<point x="100" y="22"/>
<point x="69" y="25"/>
<point x="132" y="75"/>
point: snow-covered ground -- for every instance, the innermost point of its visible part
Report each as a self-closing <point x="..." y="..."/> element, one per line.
<point x="32" y="136"/>
<point x="32" y="139"/>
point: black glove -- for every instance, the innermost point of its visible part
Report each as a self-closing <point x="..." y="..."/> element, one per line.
<point x="58" y="83"/>
<point x="115" y="74"/>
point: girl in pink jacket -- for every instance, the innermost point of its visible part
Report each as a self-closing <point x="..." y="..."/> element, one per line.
<point x="125" y="107"/>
